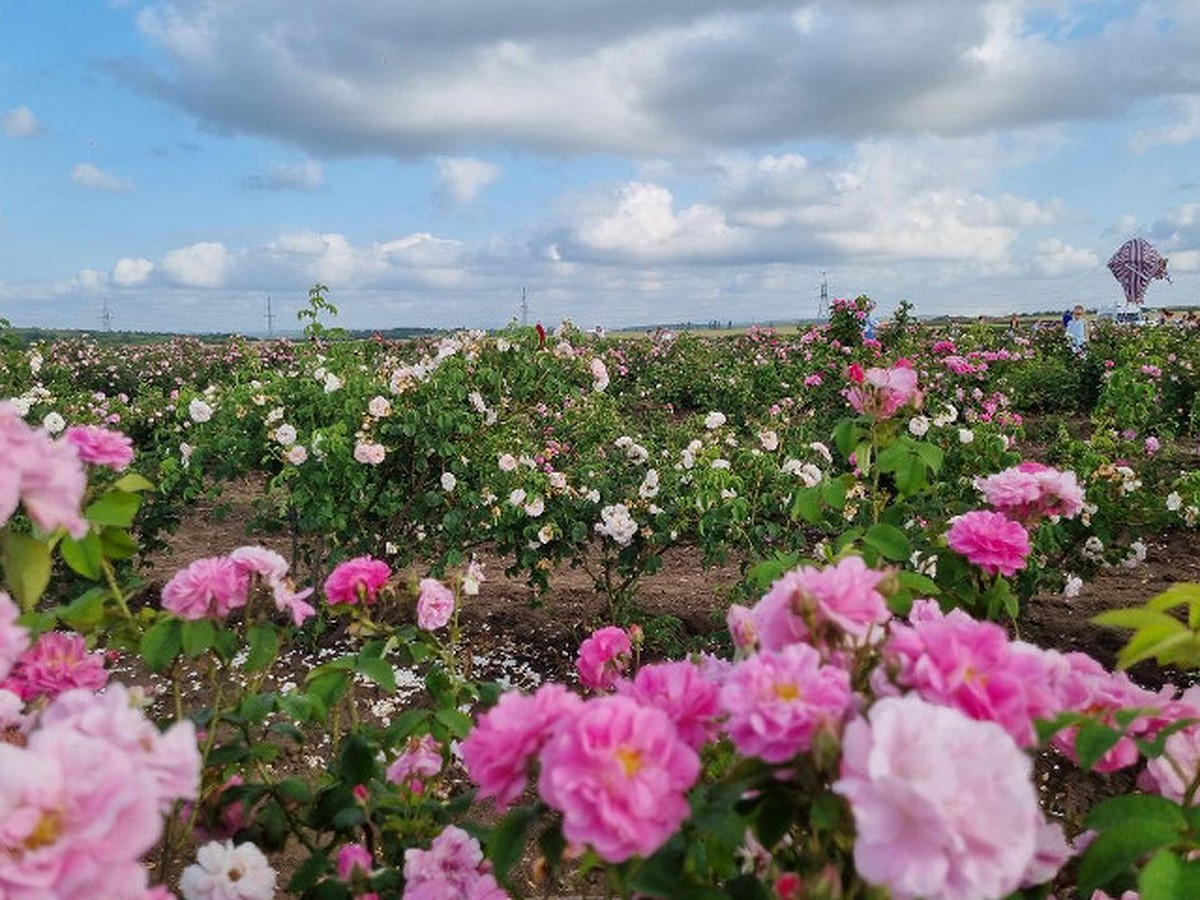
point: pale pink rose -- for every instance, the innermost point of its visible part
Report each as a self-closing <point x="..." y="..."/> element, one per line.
<point x="599" y="374"/>
<point x="208" y="588"/>
<point x="603" y="656"/>
<point x="14" y="639"/>
<point x="420" y="759"/>
<point x="989" y="540"/>
<point x="828" y="607"/>
<point x="47" y="476"/>
<point x="917" y="778"/>
<point x="379" y="407"/>
<point x="1051" y="853"/>
<point x="681" y="690"/>
<point x="75" y="818"/>
<point x="55" y="663"/>
<point x="618" y="772"/>
<point x="1029" y="491"/>
<point x="435" y="605"/>
<point x="100" y="446"/>
<point x="778" y="701"/>
<point x="297" y="454"/>
<point x="453" y="866"/>
<point x="294" y="603"/>
<point x="369" y="453"/>
<point x="1172" y="773"/>
<point x="352" y="858"/>
<point x="225" y="872"/>
<point x="357" y="580"/>
<point x="501" y="749"/>
<point x="170" y="760"/>
<point x="272" y="568"/>
<point x="881" y="393"/>
<point x="954" y="660"/>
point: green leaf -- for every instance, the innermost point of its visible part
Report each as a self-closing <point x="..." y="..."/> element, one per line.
<point x="919" y="584"/>
<point x="117" y="543"/>
<point x="161" y="643"/>
<point x="889" y="540"/>
<point x="773" y="818"/>
<point x="84" y="556"/>
<point x="1131" y="810"/>
<point x="807" y="504"/>
<point x="662" y="874"/>
<point x="197" y="637"/>
<point x="264" y="645"/>
<point x="833" y="493"/>
<point x="931" y="455"/>
<point x="1115" y="852"/>
<point x="308" y="872"/>
<point x="86" y="611"/>
<point x="1167" y="877"/>
<point x="507" y="842"/>
<point x="132" y="483"/>
<point x="26" y="568"/>
<point x="458" y="723"/>
<point x="1137" y="617"/>
<point x="1092" y="741"/>
<point x="378" y="670"/>
<point x="356" y="761"/>
<point x="114" y="508"/>
<point x="845" y="435"/>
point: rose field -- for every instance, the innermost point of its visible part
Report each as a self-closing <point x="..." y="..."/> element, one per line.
<point x="552" y="614"/>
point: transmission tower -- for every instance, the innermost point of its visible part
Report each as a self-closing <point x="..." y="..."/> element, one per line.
<point x="524" y="308"/>
<point x="270" y="318"/>
<point x="823" y="303"/>
<point x="106" y="317"/>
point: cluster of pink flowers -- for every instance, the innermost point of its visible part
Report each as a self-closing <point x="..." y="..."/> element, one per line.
<point x="881" y="393"/>
<point x="44" y="475"/>
<point x="215" y="586"/>
<point x="357" y="580"/>
<point x="1030" y="490"/>
<point x="990" y="540"/>
<point x="81" y="800"/>
<point x="453" y="866"/>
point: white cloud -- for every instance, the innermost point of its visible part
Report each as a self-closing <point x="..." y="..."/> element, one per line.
<point x="203" y="265"/>
<point x="1054" y="257"/>
<point x="1175" y="135"/>
<point x="91" y="177"/>
<point x="21" y="123"/>
<point x="460" y="179"/>
<point x="131" y="271"/>
<point x="305" y="176"/>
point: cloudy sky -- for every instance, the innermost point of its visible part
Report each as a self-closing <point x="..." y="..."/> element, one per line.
<point x="624" y="161"/>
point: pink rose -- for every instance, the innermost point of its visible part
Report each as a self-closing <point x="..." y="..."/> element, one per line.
<point x="1029" y="491"/>
<point x="435" y="605"/>
<point x="55" y="663"/>
<point x="603" y="656"/>
<point x="100" y="446"/>
<point x="208" y="588"/>
<point x="357" y="580"/>
<point x="684" y="693"/>
<point x="989" y="540"/>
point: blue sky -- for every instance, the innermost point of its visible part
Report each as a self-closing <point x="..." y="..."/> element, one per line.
<point x="626" y="163"/>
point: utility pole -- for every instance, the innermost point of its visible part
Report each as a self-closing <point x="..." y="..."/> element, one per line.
<point x="524" y="308"/>
<point x="270" y="318"/>
<point x="106" y="317"/>
<point x="823" y="304"/>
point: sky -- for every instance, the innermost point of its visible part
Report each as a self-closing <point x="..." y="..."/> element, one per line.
<point x="622" y="162"/>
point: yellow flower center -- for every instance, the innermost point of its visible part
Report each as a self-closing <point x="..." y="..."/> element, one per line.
<point x="787" y="691"/>
<point x="630" y="760"/>
<point x="46" y="831"/>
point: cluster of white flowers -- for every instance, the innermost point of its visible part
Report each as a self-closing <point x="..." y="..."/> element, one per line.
<point x="535" y="507"/>
<point x="687" y="456"/>
<point x="1174" y="501"/>
<point x="448" y="481"/>
<point x="1093" y="549"/>
<point x="53" y="422"/>
<point x="199" y="411"/>
<point x="807" y="472"/>
<point x="918" y="426"/>
<point x="379" y="407"/>
<point x="769" y="440"/>
<point x="1073" y="586"/>
<point x="599" y="374"/>
<point x="714" y="420"/>
<point x="369" y="453"/>
<point x="616" y="523"/>
<point x="506" y="462"/>
<point x="821" y="450"/>
<point x="947" y="416"/>
<point x="720" y="463"/>
<point x="965" y="435"/>
<point x="1129" y="480"/>
<point x="634" y="452"/>
<point x="1136" y="555"/>
<point x="558" y="481"/>
<point x="285" y="435"/>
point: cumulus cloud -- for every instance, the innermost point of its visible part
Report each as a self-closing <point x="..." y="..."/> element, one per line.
<point x="1185" y="130"/>
<point x="203" y="265"/>
<point x="460" y="179"/>
<point x="96" y="179"/>
<point x="305" y="176"/>
<point x="131" y="271"/>
<point x="644" y="78"/>
<point x="1054" y="257"/>
<point x="21" y="123"/>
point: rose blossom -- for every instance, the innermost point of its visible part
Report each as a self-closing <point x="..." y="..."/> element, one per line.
<point x="681" y="690"/>
<point x="618" y="772"/>
<point x="55" y="663"/>
<point x="100" y="447"/>
<point x="453" y="866"/>
<point x="225" y="872"/>
<point x="943" y="806"/>
<point x="46" y="476"/>
<point x="435" y="605"/>
<point x="989" y="540"/>
<point x="1030" y="490"/>
<point x="420" y="759"/>
<point x="208" y="588"/>
<point x="603" y="656"/>
<point x="881" y="393"/>
<point x="357" y="580"/>
<point x="353" y="858"/>
<point x="777" y="702"/>
<point x="500" y="750"/>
